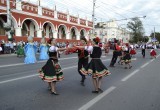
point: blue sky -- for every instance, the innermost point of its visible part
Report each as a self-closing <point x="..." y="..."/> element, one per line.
<point x="111" y="9"/>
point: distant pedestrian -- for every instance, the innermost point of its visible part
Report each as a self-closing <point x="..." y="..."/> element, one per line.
<point x="143" y="46"/>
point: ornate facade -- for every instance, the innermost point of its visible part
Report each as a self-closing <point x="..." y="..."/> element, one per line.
<point x="34" y="20"/>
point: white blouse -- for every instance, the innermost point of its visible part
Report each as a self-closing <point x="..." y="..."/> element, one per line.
<point x="89" y="48"/>
<point x="53" y="49"/>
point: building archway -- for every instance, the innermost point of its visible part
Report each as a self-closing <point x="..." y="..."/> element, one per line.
<point x="3" y="19"/>
<point x="2" y="30"/>
<point x="48" y="29"/>
<point x="73" y="33"/>
<point x="82" y="32"/>
<point x="62" y="32"/>
<point x="29" y="27"/>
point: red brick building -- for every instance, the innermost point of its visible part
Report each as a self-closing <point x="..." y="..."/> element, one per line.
<point x="37" y="21"/>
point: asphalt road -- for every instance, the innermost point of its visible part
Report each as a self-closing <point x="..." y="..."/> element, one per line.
<point x="125" y="89"/>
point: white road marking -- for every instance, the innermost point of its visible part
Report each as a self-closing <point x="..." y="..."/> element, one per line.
<point x="35" y="63"/>
<point x="133" y="59"/>
<point x="96" y="99"/>
<point x="130" y="75"/>
<point x="18" y="64"/>
<point x="144" y="65"/>
<point x="15" y="79"/>
<point x="24" y="77"/>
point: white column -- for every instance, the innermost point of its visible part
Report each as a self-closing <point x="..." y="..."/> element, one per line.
<point x="67" y="35"/>
<point x="55" y="14"/>
<point x="78" y="20"/>
<point x="55" y="34"/>
<point x="39" y="10"/>
<point x="78" y="36"/>
<point x="18" y="31"/>
<point x="18" y="5"/>
<point x="39" y="33"/>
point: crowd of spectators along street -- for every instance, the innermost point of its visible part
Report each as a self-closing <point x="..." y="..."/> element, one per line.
<point x="10" y="47"/>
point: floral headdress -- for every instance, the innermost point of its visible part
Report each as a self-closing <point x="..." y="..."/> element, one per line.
<point x="96" y="40"/>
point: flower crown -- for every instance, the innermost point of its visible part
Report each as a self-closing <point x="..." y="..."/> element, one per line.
<point x="97" y="39"/>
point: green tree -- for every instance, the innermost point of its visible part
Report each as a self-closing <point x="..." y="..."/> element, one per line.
<point x="157" y="35"/>
<point x="137" y="30"/>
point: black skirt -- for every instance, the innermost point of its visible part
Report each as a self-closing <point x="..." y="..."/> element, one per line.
<point x="95" y="68"/>
<point x="126" y="58"/>
<point x="51" y="71"/>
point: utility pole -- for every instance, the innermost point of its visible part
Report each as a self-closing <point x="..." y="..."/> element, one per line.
<point x="154" y="33"/>
<point x="93" y="19"/>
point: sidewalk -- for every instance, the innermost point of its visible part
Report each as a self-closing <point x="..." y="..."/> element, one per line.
<point x="5" y="55"/>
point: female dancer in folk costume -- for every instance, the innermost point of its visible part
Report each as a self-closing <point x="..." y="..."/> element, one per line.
<point x="51" y="72"/>
<point x="95" y="67"/>
<point x="43" y="50"/>
<point x="30" y="51"/>
<point x="106" y="48"/>
<point x="20" y="50"/>
<point x="126" y="59"/>
<point x="153" y="52"/>
<point x="132" y="50"/>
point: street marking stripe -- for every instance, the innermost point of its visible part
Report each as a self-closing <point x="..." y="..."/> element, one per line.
<point x="96" y="99"/>
<point x="29" y="76"/>
<point x="18" y="64"/>
<point x="145" y="65"/>
<point x="15" y="79"/>
<point x="130" y="75"/>
<point x="24" y="77"/>
<point x="34" y="63"/>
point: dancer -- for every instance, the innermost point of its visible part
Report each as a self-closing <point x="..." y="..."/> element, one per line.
<point x="132" y="51"/>
<point x="51" y="72"/>
<point x="20" y="50"/>
<point x="95" y="67"/>
<point x="43" y="50"/>
<point x="30" y="51"/>
<point x="82" y="58"/>
<point x="126" y="59"/>
<point x="115" y="55"/>
<point x="107" y="48"/>
<point x="153" y="52"/>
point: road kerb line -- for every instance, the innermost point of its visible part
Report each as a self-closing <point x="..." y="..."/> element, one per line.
<point x="130" y="75"/>
<point x="96" y="99"/>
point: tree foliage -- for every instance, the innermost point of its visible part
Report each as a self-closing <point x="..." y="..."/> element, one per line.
<point x="137" y="30"/>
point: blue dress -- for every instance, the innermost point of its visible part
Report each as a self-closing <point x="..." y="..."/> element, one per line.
<point x="43" y="52"/>
<point x="30" y="53"/>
